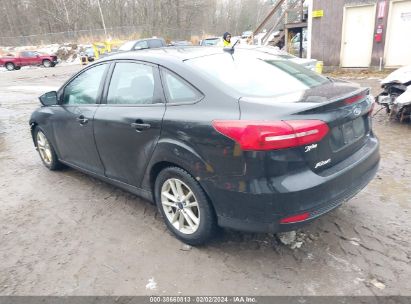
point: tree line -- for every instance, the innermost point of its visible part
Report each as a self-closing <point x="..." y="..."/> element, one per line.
<point x="177" y="19"/>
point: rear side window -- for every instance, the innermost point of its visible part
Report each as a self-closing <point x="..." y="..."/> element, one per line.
<point x="178" y="90"/>
<point x="132" y="83"/>
<point x="85" y="87"/>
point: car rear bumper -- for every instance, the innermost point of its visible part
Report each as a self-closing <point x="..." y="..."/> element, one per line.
<point x="261" y="209"/>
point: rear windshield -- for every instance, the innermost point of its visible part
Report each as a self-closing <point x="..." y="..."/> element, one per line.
<point x="255" y="74"/>
<point x="127" y="46"/>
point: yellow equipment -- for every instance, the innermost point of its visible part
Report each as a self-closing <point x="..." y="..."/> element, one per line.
<point x="105" y="47"/>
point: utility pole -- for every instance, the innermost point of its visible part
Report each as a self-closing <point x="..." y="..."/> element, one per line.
<point x="102" y="18"/>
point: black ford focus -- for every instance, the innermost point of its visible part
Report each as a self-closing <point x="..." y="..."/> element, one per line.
<point x="243" y="140"/>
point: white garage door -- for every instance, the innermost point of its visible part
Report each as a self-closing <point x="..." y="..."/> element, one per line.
<point x="398" y="41"/>
<point x="358" y="31"/>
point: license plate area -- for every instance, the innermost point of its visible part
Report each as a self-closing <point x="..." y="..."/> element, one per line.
<point x="347" y="133"/>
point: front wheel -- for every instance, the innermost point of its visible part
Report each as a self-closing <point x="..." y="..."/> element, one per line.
<point x="184" y="206"/>
<point x="46" y="151"/>
<point x="47" y="63"/>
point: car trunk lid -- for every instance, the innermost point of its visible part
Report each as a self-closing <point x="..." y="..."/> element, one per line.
<point x="342" y="106"/>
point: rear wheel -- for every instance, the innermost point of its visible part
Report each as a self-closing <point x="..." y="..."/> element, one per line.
<point x="184" y="206"/>
<point x="47" y="63"/>
<point x="10" y="66"/>
<point x="46" y="151"/>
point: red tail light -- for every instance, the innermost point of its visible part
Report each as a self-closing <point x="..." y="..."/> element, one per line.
<point x="266" y="135"/>
<point x="295" y="218"/>
<point x="355" y="98"/>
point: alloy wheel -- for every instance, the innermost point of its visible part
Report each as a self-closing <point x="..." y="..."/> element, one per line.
<point x="180" y="206"/>
<point x="44" y="148"/>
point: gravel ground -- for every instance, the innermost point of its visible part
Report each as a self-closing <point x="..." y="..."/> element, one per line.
<point x="65" y="233"/>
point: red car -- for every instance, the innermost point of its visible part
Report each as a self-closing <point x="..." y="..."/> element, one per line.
<point x="28" y="58"/>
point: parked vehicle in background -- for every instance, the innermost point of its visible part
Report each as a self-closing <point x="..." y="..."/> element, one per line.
<point x="396" y="94"/>
<point x="243" y="139"/>
<point x="181" y="43"/>
<point x="273" y="50"/>
<point x="87" y="55"/>
<point x="27" y="58"/>
<point x="246" y="34"/>
<point x="211" y="41"/>
<point x="294" y="45"/>
<point x="149" y="43"/>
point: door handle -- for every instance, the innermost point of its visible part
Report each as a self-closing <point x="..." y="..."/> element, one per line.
<point x="82" y="120"/>
<point x="140" y="126"/>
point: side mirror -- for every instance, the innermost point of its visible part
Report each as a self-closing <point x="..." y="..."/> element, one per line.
<point x="49" y="99"/>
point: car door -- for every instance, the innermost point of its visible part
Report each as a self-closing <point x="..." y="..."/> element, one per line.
<point x="32" y="58"/>
<point x="25" y="58"/>
<point x="127" y="125"/>
<point x="73" y="119"/>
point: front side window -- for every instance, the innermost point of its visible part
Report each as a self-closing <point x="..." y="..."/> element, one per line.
<point x="178" y="90"/>
<point x="85" y="87"/>
<point x="132" y="83"/>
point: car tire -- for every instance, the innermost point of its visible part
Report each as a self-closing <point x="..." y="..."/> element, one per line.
<point x="47" y="63"/>
<point x="17" y="68"/>
<point x="10" y="66"/>
<point x="46" y="150"/>
<point x="192" y="220"/>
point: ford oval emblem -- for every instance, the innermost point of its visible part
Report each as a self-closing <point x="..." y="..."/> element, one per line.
<point x="357" y="111"/>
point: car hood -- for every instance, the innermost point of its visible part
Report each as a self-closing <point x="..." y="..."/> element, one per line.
<point x="402" y="75"/>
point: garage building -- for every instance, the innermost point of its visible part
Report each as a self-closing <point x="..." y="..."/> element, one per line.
<point x="361" y="33"/>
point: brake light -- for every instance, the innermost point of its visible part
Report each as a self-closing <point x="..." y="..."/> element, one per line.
<point x="295" y="218"/>
<point x="267" y="135"/>
<point x="355" y="98"/>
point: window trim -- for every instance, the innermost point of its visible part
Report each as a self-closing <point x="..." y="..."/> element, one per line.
<point x="158" y="90"/>
<point x="164" y="70"/>
<point x="61" y="91"/>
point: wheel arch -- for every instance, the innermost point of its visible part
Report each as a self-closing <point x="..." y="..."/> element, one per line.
<point x="170" y="153"/>
<point x="8" y="62"/>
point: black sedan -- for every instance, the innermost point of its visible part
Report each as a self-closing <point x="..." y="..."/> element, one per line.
<point x="241" y="139"/>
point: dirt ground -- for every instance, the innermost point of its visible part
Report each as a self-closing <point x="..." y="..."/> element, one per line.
<point x="65" y="233"/>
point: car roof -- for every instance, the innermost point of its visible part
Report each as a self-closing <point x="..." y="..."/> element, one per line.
<point x="180" y="53"/>
<point x="172" y="54"/>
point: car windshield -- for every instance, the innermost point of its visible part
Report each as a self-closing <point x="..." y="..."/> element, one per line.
<point x="252" y="74"/>
<point x="127" y="46"/>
